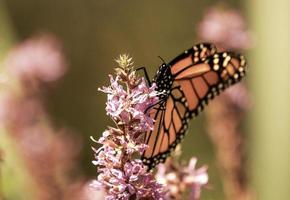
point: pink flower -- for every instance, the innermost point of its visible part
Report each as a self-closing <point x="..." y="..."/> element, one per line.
<point x="122" y="175"/>
<point x="48" y="154"/>
<point x="180" y="178"/>
<point x="123" y="106"/>
<point x="142" y="97"/>
<point x="227" y="34"/>
<point x="18" y="111"/>
<point x="196" y="177"/>
<point x="37" y="59"/>
<point x="239" y="96"/>
<point x="116" y="105"/>
<point x="83" y="191"/>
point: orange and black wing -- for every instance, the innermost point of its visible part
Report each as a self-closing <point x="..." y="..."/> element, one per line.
<point x="194" y="84"/>
<point x="193" y="55"/>
<point x="171" y="122"/>
<point x="202" y="81"/>
<point x="172" y="115"/>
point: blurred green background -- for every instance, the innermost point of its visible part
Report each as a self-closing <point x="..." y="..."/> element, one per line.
<point x="94" y="32"/>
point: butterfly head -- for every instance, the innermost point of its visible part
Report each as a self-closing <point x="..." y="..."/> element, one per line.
<point x="163" y="80"/>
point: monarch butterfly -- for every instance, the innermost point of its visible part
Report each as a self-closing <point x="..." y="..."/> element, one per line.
<point x="185" y="86"/>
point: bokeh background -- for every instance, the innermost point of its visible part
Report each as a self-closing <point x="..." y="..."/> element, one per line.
<point x="94" y="32"/>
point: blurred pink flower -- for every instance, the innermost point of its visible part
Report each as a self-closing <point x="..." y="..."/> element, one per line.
<point x="37" y="59"/>
<point x="53" y="149"/>
<point x="197" y="177"/>
<point x="239" y="96"/>
<point x="49" y="156"/>
<point x="48" y="153"/>
<point x="82" y="190"/>
<point x="18" y="111"/>
<point x="225" y="116"/>
<point x="179" y="178"/>
<point x="91" y="193"/>
<point x="226" y="29"/>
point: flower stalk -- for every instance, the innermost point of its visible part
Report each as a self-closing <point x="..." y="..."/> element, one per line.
<point x="122" y="175"/>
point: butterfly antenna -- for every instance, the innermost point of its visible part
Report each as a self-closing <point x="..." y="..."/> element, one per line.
<point x="161" y="59"/>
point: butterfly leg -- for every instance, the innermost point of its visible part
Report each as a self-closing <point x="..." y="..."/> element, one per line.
<point x="146" y="74"/>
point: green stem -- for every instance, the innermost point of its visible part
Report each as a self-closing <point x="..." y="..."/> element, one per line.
<point x="270" y="80"/>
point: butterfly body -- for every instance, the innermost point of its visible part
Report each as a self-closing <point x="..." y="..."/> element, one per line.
<point x="186" y="84"/>
<point x="163" y="80"/>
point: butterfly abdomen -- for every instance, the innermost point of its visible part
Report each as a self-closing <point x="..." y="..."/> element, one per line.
<point x="164" y="81"/>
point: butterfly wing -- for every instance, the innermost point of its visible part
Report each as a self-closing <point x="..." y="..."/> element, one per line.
<point x="195" y="83"/>
<point x="206" y="79"/>
<point x="193" y="55"/>
<point x="171" y="122"/>
<point x="172" y="115"/>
